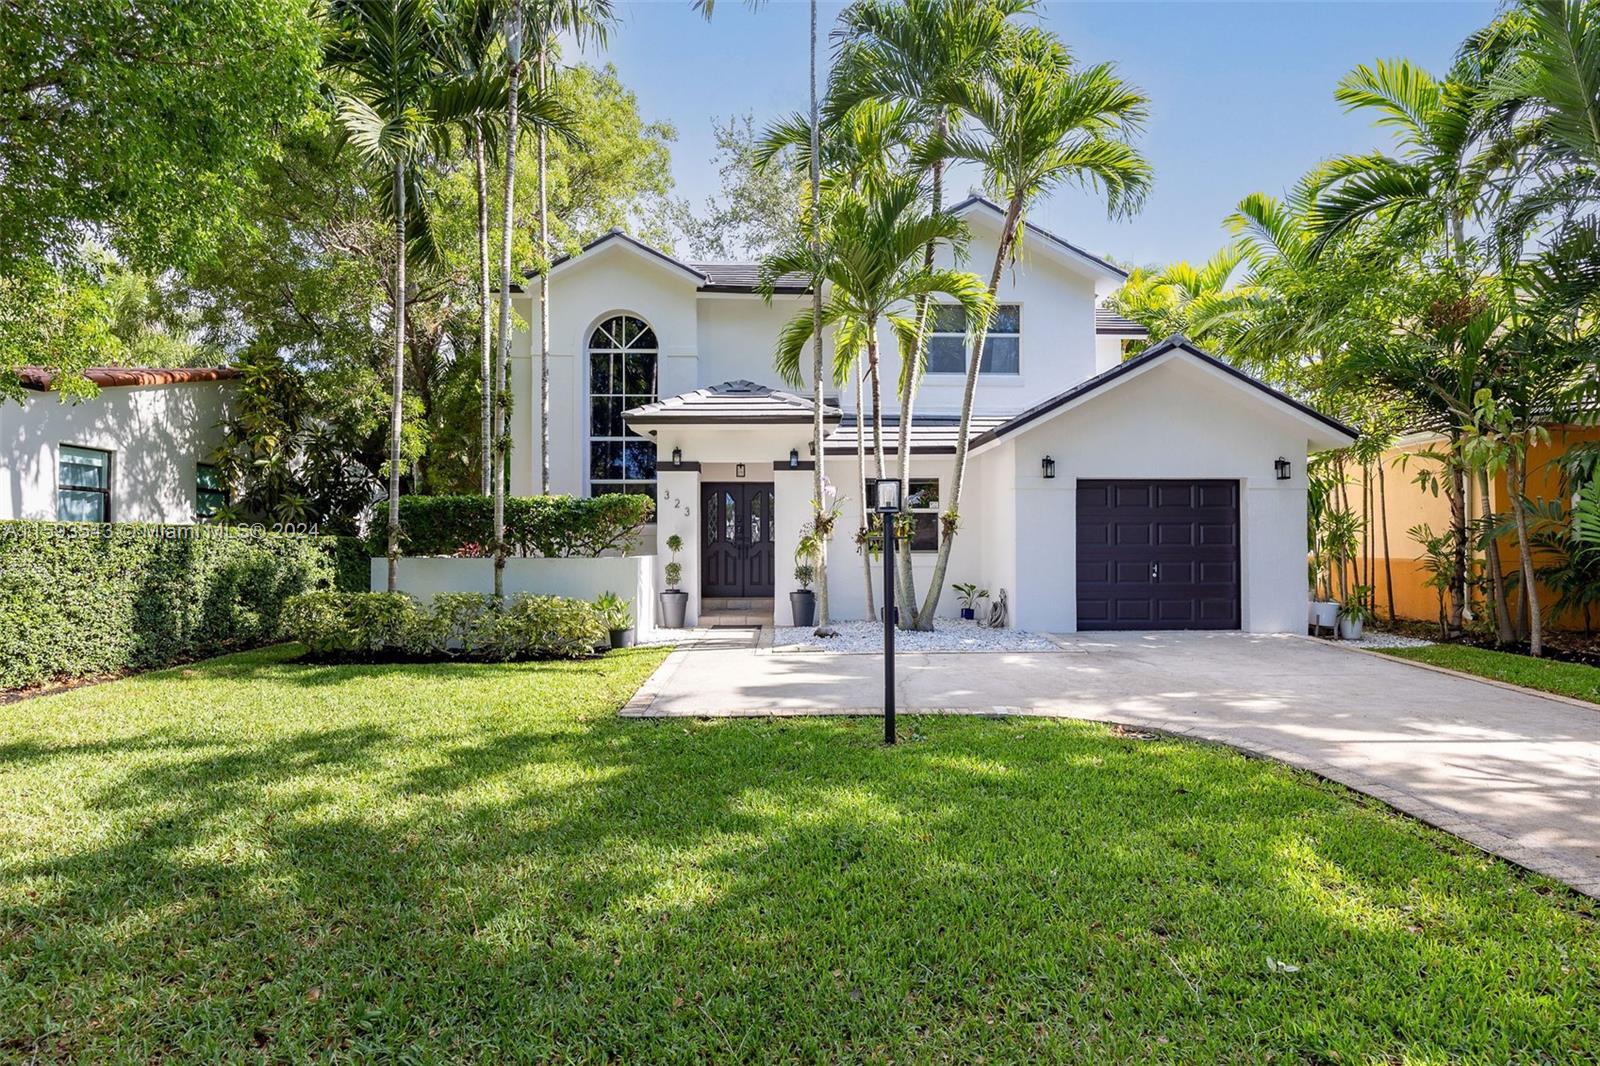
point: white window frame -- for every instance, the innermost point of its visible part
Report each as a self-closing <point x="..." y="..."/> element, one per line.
<point x="966" y="350"/>
<point x="590" y="438"/>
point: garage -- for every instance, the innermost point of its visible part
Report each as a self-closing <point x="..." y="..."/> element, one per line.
<point x="1158" y="554"/>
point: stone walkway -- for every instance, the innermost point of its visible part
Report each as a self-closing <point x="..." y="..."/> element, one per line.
<point x="1515" y="773"/>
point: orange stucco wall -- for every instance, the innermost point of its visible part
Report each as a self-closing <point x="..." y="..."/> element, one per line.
<point x="1409" y="505"/>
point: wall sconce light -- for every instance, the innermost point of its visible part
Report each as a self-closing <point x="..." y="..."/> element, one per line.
<point x="738" y="471"/>
<point x="1282" y="468"/>
<point x="794" y="458"/>
<point x="811" y="446"/>
<point x="677" y="456"/>
<point x="1049" y="466"/>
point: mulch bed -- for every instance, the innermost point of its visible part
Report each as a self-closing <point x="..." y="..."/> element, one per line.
<point x="1559" y="645"/>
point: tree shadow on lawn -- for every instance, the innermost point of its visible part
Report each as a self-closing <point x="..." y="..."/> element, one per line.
<point x="543" y="886"/>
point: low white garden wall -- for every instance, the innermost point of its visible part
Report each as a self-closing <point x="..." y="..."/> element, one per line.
<point x="633" y="577"/>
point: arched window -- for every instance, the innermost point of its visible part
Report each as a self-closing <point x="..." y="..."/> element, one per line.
<point x="622" y="374"/>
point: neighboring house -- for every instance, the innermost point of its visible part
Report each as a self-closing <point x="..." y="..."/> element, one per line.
<point x="139" y="451"/>
<point x="1101" y="494"/>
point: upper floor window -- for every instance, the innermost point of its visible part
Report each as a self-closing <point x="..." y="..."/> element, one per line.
<point x="210" y="491"/>
<point x="622" y="374"/>
<point x="83" y="485"/>
<point x="948" y="344"/>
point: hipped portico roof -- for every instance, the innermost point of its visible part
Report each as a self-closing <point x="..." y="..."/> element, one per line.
<point x="730" y="403"/>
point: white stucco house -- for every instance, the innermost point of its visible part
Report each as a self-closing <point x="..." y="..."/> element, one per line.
<point x="1165" y="491"/>
<point x="138" y="451"/>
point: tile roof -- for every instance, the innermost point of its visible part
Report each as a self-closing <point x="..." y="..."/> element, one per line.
<point x="1107" y="320"/>
<point x="41" y="379"/>
<point x="731" y="401"/>
<point x="930" y="434"/>
<point x="746" y="277"/>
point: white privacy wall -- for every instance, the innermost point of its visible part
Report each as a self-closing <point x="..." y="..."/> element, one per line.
<point x="1176" y="419"/>
<point x="157" y="435"/>
<point x="633" y="577"/>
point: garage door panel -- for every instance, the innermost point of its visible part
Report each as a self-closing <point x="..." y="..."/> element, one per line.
<point x="1175" y="534"/>
<point x="1158" y="554"/>
<point x="1131" y="533"/>
<point x="1130" y="494"/>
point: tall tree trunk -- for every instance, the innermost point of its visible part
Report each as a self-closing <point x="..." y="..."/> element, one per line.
<point x="1518" y="473"/>
<point x="861" y="477"/>
<point x="877" y="398"/>
<point x="544" y="293"/>
<point x="1504" y="633"/>
<point x="818" y="479"/>
<point x="485" y="318"/>
<point x="398" y="397"/>
<point x="910" y="378"/>
<point x="1458" y="521"/>
<point x="948" y="519"/>
<point x="502" y="420"/>
<point x="1388" y="560"/>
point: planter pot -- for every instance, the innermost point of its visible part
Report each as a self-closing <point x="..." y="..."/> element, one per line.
<point x="622" y="638"/>
<point x="1325" y="614"/>
<point x="673" y="603"/>
<point x="803" y="607"/>
<point x="1350" y="628"/>
<point x="970" y="614"/>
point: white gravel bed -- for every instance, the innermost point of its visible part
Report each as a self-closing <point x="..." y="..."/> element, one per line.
<point x="949" y="634"/>
<point x="1371" y="638"/>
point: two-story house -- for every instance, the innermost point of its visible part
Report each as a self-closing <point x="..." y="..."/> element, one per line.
<point x="1160" y="492"/>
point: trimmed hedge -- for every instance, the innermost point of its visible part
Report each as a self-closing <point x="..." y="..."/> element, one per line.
<point x="82" y="599"/>
<point x="551" y="526"/>
<point x="391" y="626"/>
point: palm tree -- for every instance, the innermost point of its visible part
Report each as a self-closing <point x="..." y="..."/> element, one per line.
<point x="396" y="102"/>
<point x="853" y="156"/>
<point x="583" y="20"/>
<point x="1198" y="302"/>
<point x="918" y="55"/>
<point x="870" y="259"/>
<point x="1042" y="122"/>
<point x="1429" y="193"/>
<point x="514" y="29"/>
<point x="474" y="43"/>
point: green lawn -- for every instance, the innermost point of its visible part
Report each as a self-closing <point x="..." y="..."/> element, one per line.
<point x="255" y="858"/>
<point x="1564" y="679"/>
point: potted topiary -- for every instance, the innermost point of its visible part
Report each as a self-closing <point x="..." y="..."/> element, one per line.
<point x="1355" y="612"/>
<point x="674" y="601"/>
<point x="616" y="614"/>
<point x="803" y="602"/>
<point x="969" y="595"/>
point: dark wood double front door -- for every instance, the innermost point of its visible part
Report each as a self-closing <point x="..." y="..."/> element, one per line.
<point x="736" y="545"/>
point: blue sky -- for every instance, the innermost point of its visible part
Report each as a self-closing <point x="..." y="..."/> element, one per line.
<point x="1241" y="93"/>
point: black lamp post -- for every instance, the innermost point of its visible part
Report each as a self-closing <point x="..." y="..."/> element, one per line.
<point x="887" y="502"/>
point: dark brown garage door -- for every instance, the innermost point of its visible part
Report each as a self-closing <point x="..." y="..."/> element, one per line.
<point x="1158" y="555"/>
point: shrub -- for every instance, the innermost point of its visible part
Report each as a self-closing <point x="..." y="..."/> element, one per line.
<point x="555" y="526"/>
<point x="81" y="600"/>
<point x="386" y="626"/>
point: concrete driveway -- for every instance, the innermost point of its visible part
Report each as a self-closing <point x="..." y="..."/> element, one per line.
<point x="1516" y="774"/>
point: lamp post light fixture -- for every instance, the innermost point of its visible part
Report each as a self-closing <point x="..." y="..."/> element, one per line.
<point x="794" y="458"/>
<point x="888" y="501"/>
<point x="1282" y="468"/>
<point x="677" y="456"/>
<point x="1049" y="466"/>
